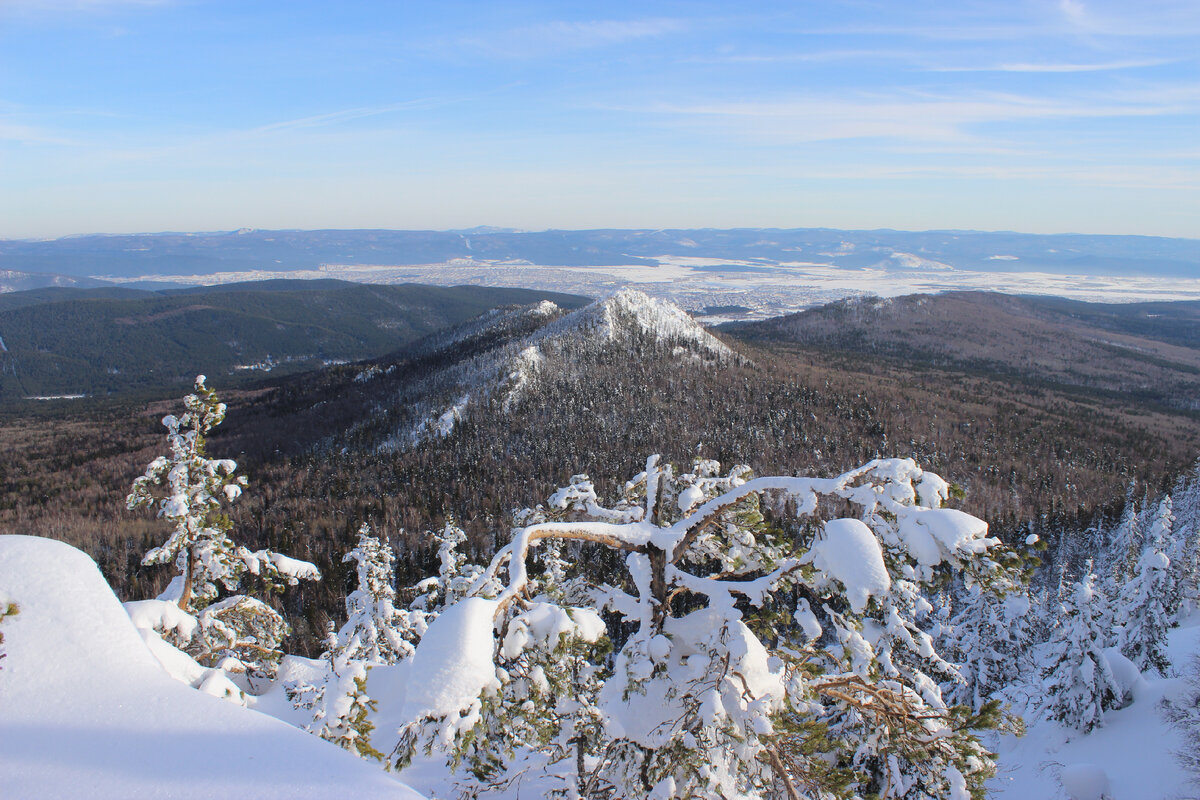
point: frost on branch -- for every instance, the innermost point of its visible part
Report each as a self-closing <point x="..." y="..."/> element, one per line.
<point x="753" y="658"/>
<point x="190" y="491"/>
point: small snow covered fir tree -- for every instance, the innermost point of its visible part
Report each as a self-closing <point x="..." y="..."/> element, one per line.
<point x="375" y="629"/>
<point x="1126" y="545"/>
<point x="190" y="490"/>
<point x="721" y="685"/>
<point x="339" y="702"/>
<point x="1148" y="597"/>
<point x="1077" y="680"/>
<point x="456" y="576"/>
<point x="988" y="643"/>
<point x="1185" y="543"/>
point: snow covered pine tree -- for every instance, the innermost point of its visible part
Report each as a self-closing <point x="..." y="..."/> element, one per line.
<point x="189" y="489"/>
<point x="1149" y="601"/>
<point x="1077" y="678"/>
<point x="751" y="661"/>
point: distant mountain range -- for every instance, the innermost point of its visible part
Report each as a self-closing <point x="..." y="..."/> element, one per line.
<point x="175" y="254"/>
<point x="66" y="341"/>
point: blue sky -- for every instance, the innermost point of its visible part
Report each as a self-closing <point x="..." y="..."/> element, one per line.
<point x="149" y="115"/>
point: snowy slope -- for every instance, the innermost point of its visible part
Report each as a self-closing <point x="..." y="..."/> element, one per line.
<point x="1133" y="752"/>
<point x="500" y="355"/>
<point x="629" y="313"/>
<point x="87" y="711"/>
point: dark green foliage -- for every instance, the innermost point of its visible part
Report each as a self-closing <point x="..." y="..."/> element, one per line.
<point x="110" y="340"/>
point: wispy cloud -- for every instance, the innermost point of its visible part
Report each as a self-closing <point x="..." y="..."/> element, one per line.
<point x="550" y="38"/>
<point x="914" y="118"/>
<point x="1062" y="67"/>
<point x="1073" y="11"/>
<point x="50" y="7"/>
<point x="810" y="57"/>
<point x="29" y="134"/>
<point x="339" y="117"/>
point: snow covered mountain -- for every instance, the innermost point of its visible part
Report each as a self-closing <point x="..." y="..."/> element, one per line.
<point x="496" y="359"/>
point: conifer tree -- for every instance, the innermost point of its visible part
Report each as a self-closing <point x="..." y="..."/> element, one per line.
<point x="456" y="577"/>
<point x="339" y="702"/>
<point x="374" y="629"/>
<point x="988" y="643"/>
<point x="1148" y="597"/>
<point x="190" y="490"/>
<point x="1125" y="548"/>
<point x="1077" y="680"/>
<point x="1185" y="542"/>
<point x="715" y="690"/>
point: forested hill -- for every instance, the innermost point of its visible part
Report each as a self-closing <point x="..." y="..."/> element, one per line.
<point x="1141" y="353"/>
<point x="65" y="341"/>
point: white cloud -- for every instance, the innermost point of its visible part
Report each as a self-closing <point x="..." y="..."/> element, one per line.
<point x="1073" y="10"/>
<point x="1062" y="67"/>
<point x="337" y="117"/>
<point x="48" y="7"/>
<point x="549" y="38"/>
<point x="916" y="118"/>
<point x="29" y="134"/>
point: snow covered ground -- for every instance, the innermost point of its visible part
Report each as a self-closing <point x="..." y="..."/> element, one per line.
<point x="87" y="711"/>
<point x="764" y="289"/>
<point x="1133" y="753"/>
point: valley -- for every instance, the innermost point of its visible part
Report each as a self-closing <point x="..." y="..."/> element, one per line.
<point x="475" y="420"/>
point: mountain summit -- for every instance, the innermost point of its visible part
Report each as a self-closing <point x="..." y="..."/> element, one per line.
<point x="501" y="356"/>
<point x="630" y="315"/>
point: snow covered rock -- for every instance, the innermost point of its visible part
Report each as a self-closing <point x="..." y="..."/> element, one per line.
<point x="86" y="710"/>
<point x="511" y="350"/>
<point x="1085" y="782"/>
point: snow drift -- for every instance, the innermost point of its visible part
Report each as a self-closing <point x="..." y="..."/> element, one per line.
<point x="87" y="710"/>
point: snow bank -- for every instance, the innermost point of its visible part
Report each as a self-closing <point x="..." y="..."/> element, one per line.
<point x="1136" y="745"/>
<point x="1085" y="782"/>
<point x="87" y="711"/>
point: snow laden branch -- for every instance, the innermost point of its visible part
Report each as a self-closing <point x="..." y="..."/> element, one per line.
<point x="772" y="640"/>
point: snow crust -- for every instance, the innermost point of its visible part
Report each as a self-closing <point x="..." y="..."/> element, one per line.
<point x="86" y="710"/>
